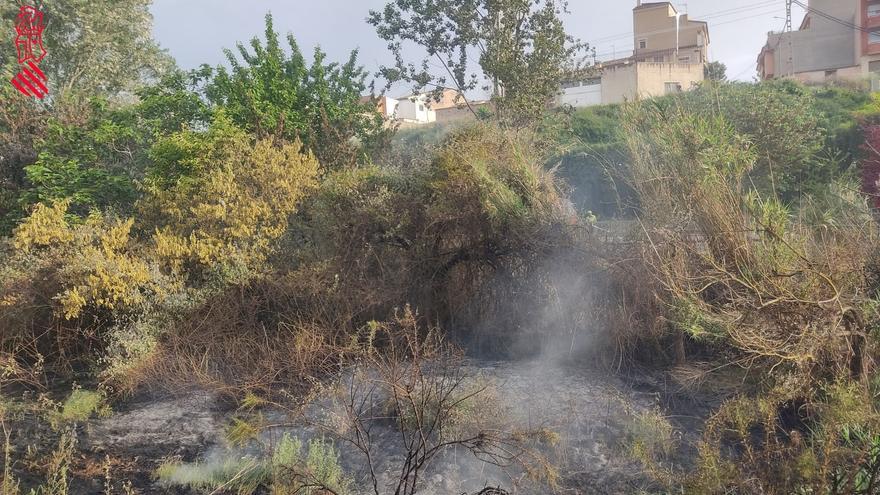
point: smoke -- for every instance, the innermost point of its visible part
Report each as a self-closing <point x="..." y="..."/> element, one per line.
<point x="544" y="383"/>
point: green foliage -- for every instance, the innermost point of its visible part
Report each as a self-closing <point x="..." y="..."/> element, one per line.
<point x="91" y="162"/>
<point x="435" y="235"/>
<point x="754" y="285"/>
<point x="80" y="406"/>
<point x="594" y="162"/>
<point x="528" y="54"/>
<point x="97" y="157"/>
<point x="284" y="471"/>
<point x="242" y="476"/>
<point x="482" y="188"/>
<point x="54" y="179"/>
<point x="651" y="440"/>
<point x="217" y="199"/>
<point x="524" y="50"/>
<point x="842" y="112"/>
<point x="173" y="104"/>
<point x="779" y="120"/>
<point x="715" y="71"/>
<point x="476" y="174"/>
<point x="782" y="443"/>
<point x="322" y="464"/>
<point x="598" y="125"/>
<point x="96" y="48"/>
<point x="689" y="318"/>
<point x="241" y="431"/>
<point x="271" y="93"/>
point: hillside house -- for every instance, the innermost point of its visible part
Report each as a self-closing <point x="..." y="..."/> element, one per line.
<point x="837" y="39"/>
<point x="671" y="51"/>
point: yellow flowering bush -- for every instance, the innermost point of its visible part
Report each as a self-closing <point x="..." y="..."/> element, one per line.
<point x="215" y="204"/>
<point x="93" y="263"/>
<point x="45" y="227"/>
<point x="230" y="202"/>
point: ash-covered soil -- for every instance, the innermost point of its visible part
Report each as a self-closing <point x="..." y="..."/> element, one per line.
<point x="587" y="409"/>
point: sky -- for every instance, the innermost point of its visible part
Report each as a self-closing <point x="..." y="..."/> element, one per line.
<point x="196" y="31"/>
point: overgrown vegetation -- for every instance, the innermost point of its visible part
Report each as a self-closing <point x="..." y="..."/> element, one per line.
<point x="522" y="48"/>
<point x="252" y="231"/>
<point x="786" y="297"/>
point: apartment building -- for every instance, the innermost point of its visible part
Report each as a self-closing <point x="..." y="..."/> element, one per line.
<point x="663" y="35"/>
<point x="671" y="51"/>
<point x="837" y="39"/>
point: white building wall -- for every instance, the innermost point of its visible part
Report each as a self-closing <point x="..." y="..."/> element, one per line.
<point x="581" y="94"/>
<point x="415" y="110"/>
<point x="391" y="108"/>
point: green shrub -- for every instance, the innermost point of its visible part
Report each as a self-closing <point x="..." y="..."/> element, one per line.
<point x="218" y="199"/>
<point x="80" y="406"/>
<point x="285" y="471"/>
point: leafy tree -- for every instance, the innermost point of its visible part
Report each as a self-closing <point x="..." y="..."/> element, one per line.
<point x="715" y="71"/>
<point x="92" y="162"/>
<point x="96" y="162"/>
<point x="95" y="49"/>
<point x="523" y="48"/>
<point x="99" y="47"/>
<point x="271" y="93"/>
<point x="174" y="104"/>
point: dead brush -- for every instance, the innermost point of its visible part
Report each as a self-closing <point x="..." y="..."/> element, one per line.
<point x="751" y="277"/>
<point x="254" y="337"/>
<point x="745" y="283"/>
<point x="417" y="384"/>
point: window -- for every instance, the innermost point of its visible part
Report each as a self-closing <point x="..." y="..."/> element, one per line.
<point x="874" y="9"/>
<point x="570" y="84"/>
<point x="684" y="60"/>
<point x="421" y="107"/>
<point x="643" y="43"/>
<point x="672" y="87"/>
<point x="874" y="36"/>
<point x="874" y="66"/>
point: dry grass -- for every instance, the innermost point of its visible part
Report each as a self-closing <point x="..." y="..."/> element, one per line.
<point x="737" y="281"/>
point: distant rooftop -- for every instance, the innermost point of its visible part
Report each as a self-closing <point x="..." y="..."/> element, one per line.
<point x="651" y="5"/>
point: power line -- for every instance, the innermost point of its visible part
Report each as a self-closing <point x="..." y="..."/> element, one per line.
<point x="830" y="17"/>
<point x="712" y="15"/>
<point x="721" y="13"/>
<point x="759" y="14"/>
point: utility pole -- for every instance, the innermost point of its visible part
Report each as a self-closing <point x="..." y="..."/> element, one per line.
<point x="677" y="34"/>
<point x="787" y="31"/>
